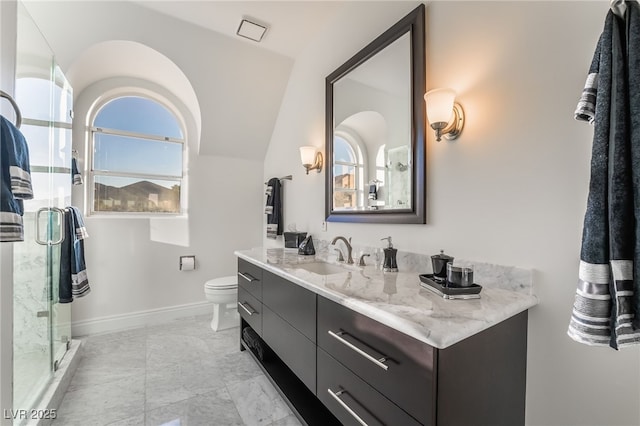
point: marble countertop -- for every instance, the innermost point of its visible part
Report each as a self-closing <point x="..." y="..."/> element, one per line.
<point x="396" y="299"/>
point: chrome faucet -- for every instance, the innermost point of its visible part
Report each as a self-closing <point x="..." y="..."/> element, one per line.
<point x="347" y="244"/>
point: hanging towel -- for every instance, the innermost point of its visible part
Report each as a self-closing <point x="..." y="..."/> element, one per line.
<point x="76" y="177"/>
<point x="16" y="181"/>
<point x="607" y="309"/>
<point x="73" y="272"/>
<point x="273" y="209"/>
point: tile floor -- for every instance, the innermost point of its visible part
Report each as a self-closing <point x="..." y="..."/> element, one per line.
<point x="176" y="374"/>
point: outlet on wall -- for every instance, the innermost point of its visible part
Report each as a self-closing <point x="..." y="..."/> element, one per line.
<point x="324" y="226"/>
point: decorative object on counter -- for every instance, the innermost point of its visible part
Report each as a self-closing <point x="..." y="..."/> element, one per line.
<point x="390" y="264"/>
<point x="311" y="159"/>
<point x="439" y="264"/>
<point x="459" y="276"/>
<point x="294" y="239"/>
<point x="306" y="247"/>
<point x="445" y="115"/>
<point x="449" y="292"/>
<point x="273" y="209"/>
<point x="607" y="299"/>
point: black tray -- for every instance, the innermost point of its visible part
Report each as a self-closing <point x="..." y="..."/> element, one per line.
<point x="449" y="291"/>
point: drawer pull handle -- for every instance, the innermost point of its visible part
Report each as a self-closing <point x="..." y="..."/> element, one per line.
<point x="379" y="361"/>
<point x="336" y="396"/>
<point x="247" y="277"/>
<point x="250" y="312"/>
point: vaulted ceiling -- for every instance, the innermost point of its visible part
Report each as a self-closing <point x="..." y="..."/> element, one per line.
<point x="238" y="83"/>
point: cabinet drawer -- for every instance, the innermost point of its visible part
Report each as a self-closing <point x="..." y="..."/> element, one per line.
<point x="250" y="278"/>
<point x="348" y="397"/>
<point x="293" y="303"/>
<point x="398" y="366"/>
<point x="250" y="309"/>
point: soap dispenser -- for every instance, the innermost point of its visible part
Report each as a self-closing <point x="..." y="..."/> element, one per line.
<point x="389" y="264"/>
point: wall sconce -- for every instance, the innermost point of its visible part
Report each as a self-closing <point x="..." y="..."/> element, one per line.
<point x="445" y="115"/>
<point x="311" y="160"/>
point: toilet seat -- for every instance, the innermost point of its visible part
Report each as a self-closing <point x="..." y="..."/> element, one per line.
<point x="223" y="283"/>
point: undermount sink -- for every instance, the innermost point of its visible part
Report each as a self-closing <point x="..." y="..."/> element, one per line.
<point x="322" y="268"/>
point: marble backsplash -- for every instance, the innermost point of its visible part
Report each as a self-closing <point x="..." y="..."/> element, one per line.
<point x="486" y="274"/>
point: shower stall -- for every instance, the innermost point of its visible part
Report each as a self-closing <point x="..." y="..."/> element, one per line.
<point x="41" y="325"/>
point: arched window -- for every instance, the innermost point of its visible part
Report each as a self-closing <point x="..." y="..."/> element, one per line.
<point x="347" y="173"/>
<point x="137" y="157"/>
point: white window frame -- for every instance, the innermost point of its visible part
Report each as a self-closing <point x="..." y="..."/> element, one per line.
<point x="93" y="130"/>
<point x="357" y="148"/>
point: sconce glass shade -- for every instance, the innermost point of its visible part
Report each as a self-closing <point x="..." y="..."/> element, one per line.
<point x="311" y="160"/>
<point x="445" y="115"/>
<point x="307" y="154"/>
<point x="440" y="105"/>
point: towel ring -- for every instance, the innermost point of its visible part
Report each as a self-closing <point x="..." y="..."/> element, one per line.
<point x="7" y="96"/>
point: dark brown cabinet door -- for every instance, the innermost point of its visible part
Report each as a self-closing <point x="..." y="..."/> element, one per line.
<point x="291" y="346"/>
<point x="293" y="303"/>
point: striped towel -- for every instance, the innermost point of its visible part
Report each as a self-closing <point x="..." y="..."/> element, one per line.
<point x="76" y="177"/>
<point x="606" y="311"/>
<point x="15" y="180"/>
<point x="73" y="272"/>
<point x="273" y="208"/>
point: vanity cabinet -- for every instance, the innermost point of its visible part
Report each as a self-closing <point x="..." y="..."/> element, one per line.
<point x="353" y="370"/>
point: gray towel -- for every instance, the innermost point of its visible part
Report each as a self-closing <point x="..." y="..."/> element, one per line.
<point x="73" y="271"/>
<point x="15" y="181"/>
<point x="606" y="305"/>
<point x="273" y="208"/>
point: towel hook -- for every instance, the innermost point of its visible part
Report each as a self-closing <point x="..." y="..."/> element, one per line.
<point x="7" y="96"/>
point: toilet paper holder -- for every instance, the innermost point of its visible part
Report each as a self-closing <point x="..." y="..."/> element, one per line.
<point x="187" y="263"/>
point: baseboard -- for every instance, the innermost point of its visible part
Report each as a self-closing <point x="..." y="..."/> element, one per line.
<point x="138" y="319"/>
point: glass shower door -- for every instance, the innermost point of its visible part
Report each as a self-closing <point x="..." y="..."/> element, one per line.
<point x="44" y="98"/>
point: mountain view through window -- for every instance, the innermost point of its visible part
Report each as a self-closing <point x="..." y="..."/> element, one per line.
<point x="137" y="157"/>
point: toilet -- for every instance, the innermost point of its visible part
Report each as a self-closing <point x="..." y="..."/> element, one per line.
<point x="223" y="293"/>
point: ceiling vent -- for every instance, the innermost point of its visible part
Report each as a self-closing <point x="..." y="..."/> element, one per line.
<point x="251" y="30"/>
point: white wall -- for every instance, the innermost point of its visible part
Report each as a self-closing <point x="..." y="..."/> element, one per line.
<point x="129" y="269"/>
<point x="511" y="190"/>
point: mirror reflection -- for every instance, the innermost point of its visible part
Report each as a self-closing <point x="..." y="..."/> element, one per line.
<point x="372" y="166"/>
<point x="375" y="129"/>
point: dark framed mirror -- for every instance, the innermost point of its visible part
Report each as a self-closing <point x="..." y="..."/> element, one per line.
<point x="375" y="129"/>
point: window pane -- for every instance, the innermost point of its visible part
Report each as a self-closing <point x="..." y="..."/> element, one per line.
<point x="344" y="177"/>
<point x="34" y="96"/>
<point x="344" y="199"/>
<point x="121" y="194"/>
<point x="123" y="154"/>
<point x="342" y="151"/>
<point x="139" y="115"/>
